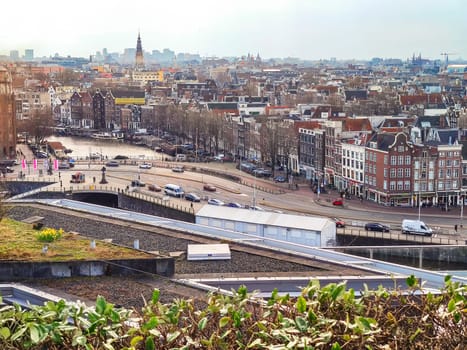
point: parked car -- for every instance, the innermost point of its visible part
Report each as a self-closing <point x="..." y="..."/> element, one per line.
<point x="145" y="166"/>
<point x="209" y="187"/>
<point x="64" y="165"/>
<point x="41" y="154"/>
<point x="154" y="188"/>
<point x="279" y="178"/>
<point x="192" y="197"/>
<point x="339" y="222"/>
<point x="338" y="202"/>
<point x="9" y="170"/>
<point x="374" y="226"/>
<point x="112" y="163"/>
<point x="233" y="205"/>
<point x="215" y="201"/>
<point x="119" y="156"/>
<point x="255" y="207"/>
<point x="137" y="183"/>
<point x="178" y="169"/>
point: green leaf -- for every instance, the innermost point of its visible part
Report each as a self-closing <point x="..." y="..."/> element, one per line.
<point x="172" y="336"/>
<point x="152" y="323"/>
<point x="149" y="345"/>
<point x="451" y="305"/>
<point x="155" y="296"/>
<point x="336" y="346"/>
<point x="417" y="332"/>
<point x="34" y="333"/>
<point x="100" y="305"/>
<point x="224" y="321"/>
<point x="338" y="290"/>
<point x="19" y="333"/>
<point x="411" y="281"/>
<point x="301" y="323"/>
<point x="5" y="332"/>
<point x="301" y="304"/>
<point x="202" y="323"/>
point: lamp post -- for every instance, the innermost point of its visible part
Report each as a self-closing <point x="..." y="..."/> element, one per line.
<point x="462" y="209"/>
<point x="103" y="180"/>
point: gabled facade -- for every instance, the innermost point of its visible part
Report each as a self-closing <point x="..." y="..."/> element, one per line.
<point x="98" y="106"/>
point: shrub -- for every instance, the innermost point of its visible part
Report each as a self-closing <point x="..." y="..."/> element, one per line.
<point x="49" y="235"/>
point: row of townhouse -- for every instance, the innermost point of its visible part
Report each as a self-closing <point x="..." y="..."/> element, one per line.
<point x="390" y="165"/>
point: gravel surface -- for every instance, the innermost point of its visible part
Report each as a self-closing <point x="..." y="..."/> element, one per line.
<point x="129" y="291"/>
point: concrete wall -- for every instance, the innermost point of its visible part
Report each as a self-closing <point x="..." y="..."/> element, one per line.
<point x="18" y="187"/>
<point x="13" y="271"/>
<point x="141" y="205"/>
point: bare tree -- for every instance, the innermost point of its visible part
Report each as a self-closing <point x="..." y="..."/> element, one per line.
<point x="39" y="126"/>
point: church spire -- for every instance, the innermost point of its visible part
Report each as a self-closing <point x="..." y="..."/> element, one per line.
<point x="139" y="53"/>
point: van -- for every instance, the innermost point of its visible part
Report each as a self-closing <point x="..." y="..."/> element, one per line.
<point x="416" y="227"/>
<point x="180" y="158"/>
<point x="174" y="190"/>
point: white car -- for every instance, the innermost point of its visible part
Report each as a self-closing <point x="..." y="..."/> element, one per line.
<point x="145" y="166"/>
<point x="215" y="201"/>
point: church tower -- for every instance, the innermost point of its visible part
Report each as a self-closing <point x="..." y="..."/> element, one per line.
<point x="139" y="65"/>
<point x="7" y="117"/>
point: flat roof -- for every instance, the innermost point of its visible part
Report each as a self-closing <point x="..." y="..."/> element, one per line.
<point x="311" y="223"/>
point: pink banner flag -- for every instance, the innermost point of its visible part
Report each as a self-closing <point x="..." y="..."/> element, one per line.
<point x="23" y="163"/>
<point x="55" y="164"/>
<point x="34" y="164"/>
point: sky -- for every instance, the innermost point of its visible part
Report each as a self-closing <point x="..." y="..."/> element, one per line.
<point x="306" y="29"/>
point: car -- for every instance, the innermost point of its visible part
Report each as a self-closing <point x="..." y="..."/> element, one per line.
<point x="112" y="163"/>
<point x="41" y="154"/>
<point x="154" y="188"/>
<point x="192" y="197"/>
<point x="338" y="202"/>
<point x="137" y="183"/>
<point x="119" y="157"/>
<point x="374" y="226"/>
<point x="255" y="207"/>
<point x="64" y="165"/>
<point x="178" y="169"/>
<point x="145" y="166"/>
<point x="279" y="178"/>
<point x="214" y="201"/>
<point x="339" y="222"/>
<point x="209" y="187"/>
<point x="233" y="205"/>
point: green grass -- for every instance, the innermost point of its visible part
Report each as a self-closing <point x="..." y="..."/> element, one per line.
<point x="19" y="242"/>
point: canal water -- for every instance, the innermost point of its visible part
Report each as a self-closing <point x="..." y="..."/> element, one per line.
<point x="83" y="147"/>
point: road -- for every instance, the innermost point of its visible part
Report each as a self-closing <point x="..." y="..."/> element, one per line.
<point x="301" y="201"/>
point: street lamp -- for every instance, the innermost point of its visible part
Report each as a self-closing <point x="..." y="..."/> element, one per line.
<point x="103" y="180"/>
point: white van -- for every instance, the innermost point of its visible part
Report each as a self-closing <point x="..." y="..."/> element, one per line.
<point x="180" y="157"/>
<point x="416" y="227"/>
<point x="174" y="190"/>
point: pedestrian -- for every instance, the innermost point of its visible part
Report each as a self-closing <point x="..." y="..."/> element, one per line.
<point x="455" y="227"/>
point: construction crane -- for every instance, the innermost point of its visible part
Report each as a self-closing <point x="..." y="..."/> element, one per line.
<point x="446" y="56"/>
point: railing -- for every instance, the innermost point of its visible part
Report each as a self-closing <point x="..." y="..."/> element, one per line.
<point x="159" y="200"/>
<point x="432" y="240"/>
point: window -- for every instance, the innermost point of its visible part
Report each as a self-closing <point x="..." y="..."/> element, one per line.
<point x="392" y="185"/>
<point x="400" y="172"/>
<point x="400" y="148"/>
<point x="406" y="185"/>
<point x="393" y="172"/>
<point x="448" y="173"/>
<point x="401" y="160"/>
<point x="455" y="173"/>
<point x="407" y="160"/>
<point x="448" y="162"/>
<point x="385" y="172"/>
<point x="393" y="160"/>
<point x="400" y="185"/>
<point x="385" y="185"/>
<point x="441" y="173"/>
<point x="441" y="163"/>
<point x="386" y="159"/>
<point x="407" y="172"/>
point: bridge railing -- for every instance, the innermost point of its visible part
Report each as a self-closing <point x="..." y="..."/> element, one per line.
<point x="434" y="239"/>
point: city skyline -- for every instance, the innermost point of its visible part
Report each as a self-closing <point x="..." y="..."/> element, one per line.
<point x="358" y="29"/>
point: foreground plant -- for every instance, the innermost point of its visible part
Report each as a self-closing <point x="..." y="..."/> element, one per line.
<point x="329" y="317"/>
